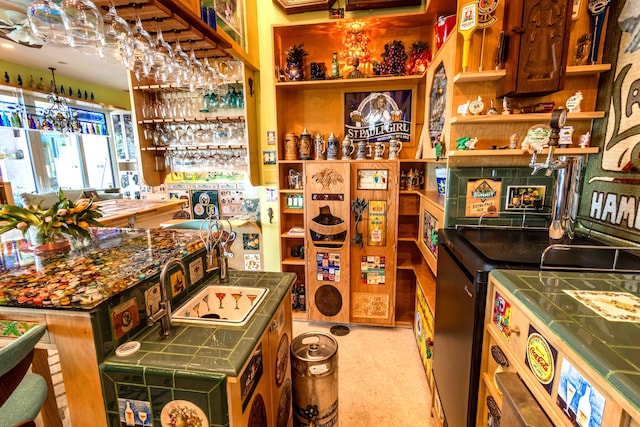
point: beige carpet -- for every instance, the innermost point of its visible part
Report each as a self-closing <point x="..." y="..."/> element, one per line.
<point x="380" y="375"/>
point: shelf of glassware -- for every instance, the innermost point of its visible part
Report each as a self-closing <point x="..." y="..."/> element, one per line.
<point x="72" y="101"/>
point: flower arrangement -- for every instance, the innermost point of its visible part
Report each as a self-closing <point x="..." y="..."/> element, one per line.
<point x="63" y="218"/>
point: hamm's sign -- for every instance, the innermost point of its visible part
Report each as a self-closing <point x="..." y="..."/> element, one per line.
<point x="611" y="196"/>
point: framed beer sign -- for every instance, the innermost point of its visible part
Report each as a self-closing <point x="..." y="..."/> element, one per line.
<point x="378" y="116"/>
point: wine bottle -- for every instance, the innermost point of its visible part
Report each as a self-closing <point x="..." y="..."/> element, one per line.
<point x="584" y="408"/>
<point x="129" y="420"/>
<point x="335" y="65"/>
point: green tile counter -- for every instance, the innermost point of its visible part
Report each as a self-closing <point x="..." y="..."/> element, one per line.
<point x="591" y="320"/>
<point x="92" y="298"/>
<point x="192" y="364"/>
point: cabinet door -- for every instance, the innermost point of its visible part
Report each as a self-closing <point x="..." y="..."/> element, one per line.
<point x="249" y="394"/>
<point x="279" y="366"/>
<point x="373" y="247"/>
<point x="328" y="211"/>
<point x="538" y="46"/>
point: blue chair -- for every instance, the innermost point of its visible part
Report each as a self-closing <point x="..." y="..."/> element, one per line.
<point x="22" y="393"/>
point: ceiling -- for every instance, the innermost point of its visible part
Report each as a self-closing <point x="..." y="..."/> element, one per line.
<point x="65" y="60"/>
<point x="175" y="20"/>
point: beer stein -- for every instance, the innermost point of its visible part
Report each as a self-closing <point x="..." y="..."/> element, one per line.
<point x="347" y="148"/>
<point x="395" y="147"/>
<point x="291" y="146"/>
<point x="305" y="146"/>
<point x="332" y="147"/>
<point x="378" y="151"/>
<point x="319" y="148"/>
<point x="363" y="150"/>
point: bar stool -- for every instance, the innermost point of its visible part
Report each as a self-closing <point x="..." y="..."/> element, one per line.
<point x="22" y="393"/>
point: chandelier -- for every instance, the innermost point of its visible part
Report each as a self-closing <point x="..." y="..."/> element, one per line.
<point x="58" y="116"/>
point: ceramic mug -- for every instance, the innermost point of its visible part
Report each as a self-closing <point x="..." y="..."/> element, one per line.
<point x="347" y="148"/>
<point x="305" y="146"/>
<point x="395" y="147"/>
<point x="291" y="146"/>
<point x="363" y="150"/>
<point x="378" y="151"/>
<point x="332" y="147"/>
<point x="319" y="148"/>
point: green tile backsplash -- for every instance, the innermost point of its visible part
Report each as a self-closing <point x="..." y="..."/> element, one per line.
<point x="458" y="178"/>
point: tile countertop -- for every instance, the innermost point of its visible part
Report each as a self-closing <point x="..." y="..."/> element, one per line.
<point x="209" y="348"/>
<point x="92" y="272"/>
<point x="611" y="347"/>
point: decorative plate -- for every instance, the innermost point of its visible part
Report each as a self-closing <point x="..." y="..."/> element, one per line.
<point x="182" y="413"/>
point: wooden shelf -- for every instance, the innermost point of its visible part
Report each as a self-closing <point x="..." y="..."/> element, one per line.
<point x="407" y="239"/>
<point x="292" y="236"/>
<point x="291" y="191"/>
<point x="352" y="83"/>
<point x="293" y="261"/>
<point x="520" y="152"/>
<point x="493" y="75"/>
<point x="72" y="101"/>
<point x="295" y="211"/>
<point x="587" y="70"/>
<point x="480" y="76"/>
<point x="529" y="117"/>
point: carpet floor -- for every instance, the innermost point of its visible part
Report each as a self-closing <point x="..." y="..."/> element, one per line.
<point x="381" y="380"/>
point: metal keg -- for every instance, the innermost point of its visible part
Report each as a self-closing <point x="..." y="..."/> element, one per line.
<point x="314" y="371"/>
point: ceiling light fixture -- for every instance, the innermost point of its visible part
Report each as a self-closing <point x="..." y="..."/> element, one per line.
<point x="58" y="116"/>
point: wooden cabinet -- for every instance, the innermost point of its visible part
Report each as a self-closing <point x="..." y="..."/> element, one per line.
<point x="494" y="131"/>
<point x="261" y="394"/>
<point x="319" y="107"/>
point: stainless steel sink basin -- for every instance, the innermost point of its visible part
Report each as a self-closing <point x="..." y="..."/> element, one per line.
<point x="221" y="305"/>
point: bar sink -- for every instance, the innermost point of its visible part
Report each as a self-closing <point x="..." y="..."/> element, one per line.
<point x="221" y="305"/>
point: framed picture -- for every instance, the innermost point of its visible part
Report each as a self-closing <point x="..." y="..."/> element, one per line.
<point x="483" y="197"/>
<point x="373" y="179"/>
<point x="524" y="197"/>
<point x="378" y="116"/>
<point x="229" y="18"/>
<point x="379" y="4"/>
<point x="299" y="6"/>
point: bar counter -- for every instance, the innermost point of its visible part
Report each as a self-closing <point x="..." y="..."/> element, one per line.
<point x="91" y="272"/>
<point x="77" y="295"/>
<point x="593" y="321"/>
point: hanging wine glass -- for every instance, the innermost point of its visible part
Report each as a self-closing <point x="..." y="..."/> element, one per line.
<point x="84" y="24"/>
<point x="143" y="47"/>
<point x="117" y="38"/>
<point x="163" y="59"/>
<point x="196" y="72"/>
<point x="47" y="22"/>
<point x="210" y="75"/>
<point x="182" y="62"/>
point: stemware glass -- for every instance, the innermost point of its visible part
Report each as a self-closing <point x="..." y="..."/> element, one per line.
<point x="84" y="24"/>
<point x="117" y="38"/>
<point x="163" y="59"/>
<point x="196" y="72"/>
<point x="143" y="48"/>
<point x="47" y="22"/>
<point x="182" y="63"/>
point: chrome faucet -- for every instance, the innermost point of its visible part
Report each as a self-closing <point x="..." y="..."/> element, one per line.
<point x="567" y="182"/>
<point x="164" y="313"/>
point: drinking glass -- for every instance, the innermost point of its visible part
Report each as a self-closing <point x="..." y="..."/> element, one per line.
<point x="117" y="38"/>
<point x="182" y="63"/>
<point x="84" y="24"/>
<point x="163" y="59"/>
<point x="47" y="22"/>
<point x="143" y="48"/>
